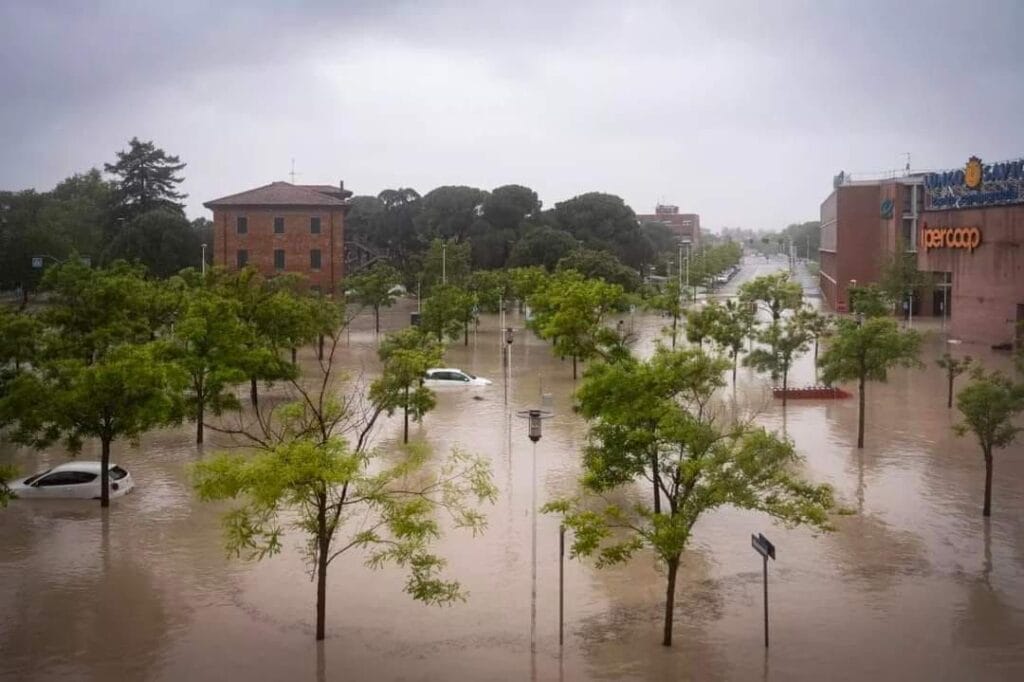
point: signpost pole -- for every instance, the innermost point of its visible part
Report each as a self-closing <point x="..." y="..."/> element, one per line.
<point x="765" y="558"/>
<point x="561" y="584"/>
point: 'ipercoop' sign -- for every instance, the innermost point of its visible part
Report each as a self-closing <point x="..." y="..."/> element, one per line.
<point x="951" y="237"/>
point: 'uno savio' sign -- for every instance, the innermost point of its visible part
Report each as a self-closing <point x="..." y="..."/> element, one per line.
<point x="950" y="237"/>
<point x="977" y="184"/>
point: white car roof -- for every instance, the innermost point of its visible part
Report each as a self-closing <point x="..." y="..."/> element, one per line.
<point x="445" y="369"/>
<point x="86" y="466"/>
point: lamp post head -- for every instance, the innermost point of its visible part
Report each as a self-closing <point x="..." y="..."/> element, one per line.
<point x="535" y="417"/>
<point x="509" y="335"/>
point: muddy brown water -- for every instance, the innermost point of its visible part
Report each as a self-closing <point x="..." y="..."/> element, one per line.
<point x="913" y="586"/>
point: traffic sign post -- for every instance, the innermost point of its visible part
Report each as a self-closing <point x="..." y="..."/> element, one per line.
<point x="767" y="550"/>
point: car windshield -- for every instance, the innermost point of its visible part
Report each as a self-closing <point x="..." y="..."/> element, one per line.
<point x="32" y="479"/>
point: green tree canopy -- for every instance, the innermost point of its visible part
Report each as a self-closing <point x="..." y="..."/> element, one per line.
<point x="146" y="178"/>
<point x="406" y="355"/>
<point x="866" y="351"/>
<point x="374" y="288"/>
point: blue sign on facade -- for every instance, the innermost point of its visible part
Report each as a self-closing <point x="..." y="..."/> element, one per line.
<point x="977" y="185"/>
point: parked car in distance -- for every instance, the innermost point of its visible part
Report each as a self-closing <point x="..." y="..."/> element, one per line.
<point x="449" y="376"/>
<point x="72" y="480"/>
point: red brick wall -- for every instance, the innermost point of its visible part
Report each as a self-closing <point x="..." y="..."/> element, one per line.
<point x="852" y="211"/>
<point x="297" y="242"/>
<point x="988" y="283"/>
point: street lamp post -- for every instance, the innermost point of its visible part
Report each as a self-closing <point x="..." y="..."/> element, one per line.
<point x="444" y="262"/>
<point x="204" y="259"/>
<point x="535" y="417"/>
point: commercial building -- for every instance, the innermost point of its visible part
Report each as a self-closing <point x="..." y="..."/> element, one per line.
<point x="972" y="237"/>
<point x="283" y="227"/>
<point x="865" y="224"/>
<point x="686" y="226"/>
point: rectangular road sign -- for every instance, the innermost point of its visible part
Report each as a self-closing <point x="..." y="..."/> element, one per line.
<point x="762" y="545"/>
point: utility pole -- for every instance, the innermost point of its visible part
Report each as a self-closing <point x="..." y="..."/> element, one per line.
<point x="444" y="262"/>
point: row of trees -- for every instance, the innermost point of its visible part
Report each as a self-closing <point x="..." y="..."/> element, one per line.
<point x="112" y="355"/>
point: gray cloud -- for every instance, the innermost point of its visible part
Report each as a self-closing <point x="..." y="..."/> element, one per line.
<point x="739" y="111"/>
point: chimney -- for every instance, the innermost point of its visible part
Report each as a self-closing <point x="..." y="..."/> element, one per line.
<point x="341" y="186"/>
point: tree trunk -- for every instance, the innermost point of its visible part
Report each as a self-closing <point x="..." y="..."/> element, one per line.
<point x="860" y="414"/>
<point x="785" y="385"/>
<point x="574" y="368"/>
<point x="254" y="392"/>
<point x="320" y="347"/>
<point x="735" y="361"/>
<point x="294" y="354"/>
<point x="949" y="400"/>
<point x="376" y="318"/>
<point x="200" y="411"/>
<point x="405" y="437"/>
<point x="465" y="333"/>
<point x="987" y="511"/>
<point x="657" y="489"/>
<point x="674" y="331"/>
<point x="670" y="600"/>
<point x="321" y="569"/>
<point x="105" y="472"/>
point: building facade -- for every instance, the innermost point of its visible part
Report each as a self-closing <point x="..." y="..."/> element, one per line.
<point x="972" y="239"/>
<point x="864" y="225"/>
<point x="281" y="228"/>
<point x="686" y="226"/>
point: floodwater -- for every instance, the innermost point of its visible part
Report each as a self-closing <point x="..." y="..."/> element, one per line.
<point x="912" y="586"/>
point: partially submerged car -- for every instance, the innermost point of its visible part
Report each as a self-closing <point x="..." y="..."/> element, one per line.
<point x="449" y="376"/>
<point x="72" y="480"/>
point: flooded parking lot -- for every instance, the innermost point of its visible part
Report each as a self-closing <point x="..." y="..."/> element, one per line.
<point x="913" y="585"/>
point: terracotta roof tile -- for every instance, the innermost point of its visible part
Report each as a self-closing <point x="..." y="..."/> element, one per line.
<point x="283" y="194"/>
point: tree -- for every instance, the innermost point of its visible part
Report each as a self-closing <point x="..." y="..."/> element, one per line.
<point x="127" y="392"/>
<point x="447" y="212"/>
<point x="506" y="207"/>
<point x="211" y="345"/>
<point x="604" y="222"/>
<point x="899" y="279"/>
<point x="783" y="340"/>
<point x="700" y="322"/>
<point x="446" y="263"/>
<point x="669" y="302"/>
<point x="866" y="350"/>
<point x="407" y="355"/>
<point x="448" y="311"/>
<point x="732" y="326"/>
<point x="7" y="472"/>
<point x="954" y="367"/>
<point x="162" y="239"/>
<point x="19" y="340"/>
<point x="816" y="325"/>
<point x="570" y="311"/>
<point x="601" y="265"/>
<point x="311" y="468"/>
<point x="775" y="293"/>
<point x="374" y="288"/>
<point x="701" y="465"/>
<point x="146" y="178"/>
<point x="543" y="246"/>
<point x="989" y="405"/>
<point x="870" y="301"/>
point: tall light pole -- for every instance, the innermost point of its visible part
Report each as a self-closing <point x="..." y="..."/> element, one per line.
<point x="535" y="417"/>
<point x="444" y="262"/>
<point x="204" y="259"/>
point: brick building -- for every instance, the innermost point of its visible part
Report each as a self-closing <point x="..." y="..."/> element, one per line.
<point x="972" y="238"/>
<point x="283" y="227"/>
<point x="686" y="226"/>
<point x="863" y="225"/>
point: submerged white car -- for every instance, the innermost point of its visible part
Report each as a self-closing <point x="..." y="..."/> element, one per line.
<point x="449" y="376"/>
<point x="74" y="480"/>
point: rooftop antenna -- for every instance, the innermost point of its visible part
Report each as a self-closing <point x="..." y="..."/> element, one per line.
<point x="907" y="154"/>
<point x="292" y="174"/>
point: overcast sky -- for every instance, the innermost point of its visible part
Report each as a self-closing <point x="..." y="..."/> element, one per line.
<point x="741" y="112"/>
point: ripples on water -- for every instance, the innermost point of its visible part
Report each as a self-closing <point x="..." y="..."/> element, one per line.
<point x="914" y="585"/>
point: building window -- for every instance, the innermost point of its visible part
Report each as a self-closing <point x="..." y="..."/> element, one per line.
<point x="314" y="259"/>
<point x="279" y="259"/>
<point x="279" y="225"/>
<point x="242" y="225"/>
<point x="243" y="258"/>
<point x="314" y="225"/>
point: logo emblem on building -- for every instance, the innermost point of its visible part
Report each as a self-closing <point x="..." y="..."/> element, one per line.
<point x="973" y="173"/>
<point x="887" y="207"/>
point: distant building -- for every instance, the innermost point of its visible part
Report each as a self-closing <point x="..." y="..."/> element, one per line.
<point x="283" y="227"/>
<point x="686" y="226"/>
